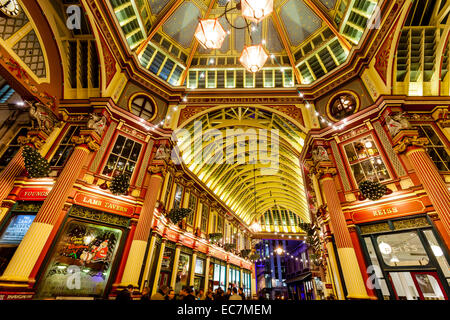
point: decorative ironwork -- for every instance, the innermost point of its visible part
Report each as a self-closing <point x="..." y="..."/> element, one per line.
<point x="27" y="206"/>
<point x="411" y="223"/>
<point x="99" y="216"/>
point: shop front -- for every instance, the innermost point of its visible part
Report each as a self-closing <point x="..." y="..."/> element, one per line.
<point x="14" y="227"/>
<point x="247" y="283"/>
<point x="407" y="258"/>
<point x="84" y="256"/>
<point x="217" y="274"/>
<point x="167" y="262"/>
<point x="199" y="272"/>
<point x="183" y="269"/>
<point x="234" y="277"/>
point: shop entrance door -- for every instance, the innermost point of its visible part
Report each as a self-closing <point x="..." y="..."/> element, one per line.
<point x="417" y="286"/>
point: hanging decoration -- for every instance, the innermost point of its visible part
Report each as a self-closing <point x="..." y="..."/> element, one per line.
<point x="120" y="184"/>
<point x="229" y="246"/>
<point x="215" y="237"/>
<point x="253" y="58"/>
<point x="372" y="190"/>
<point x="256" y="10"/>
<point x="210" y="33"/>
<point x="178" y="214"/>
<point x="36" y="165"/>
<point x="245" y="253"/>
<point x="254" y="256"/>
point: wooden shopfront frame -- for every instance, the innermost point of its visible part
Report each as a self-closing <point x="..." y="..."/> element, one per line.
<point x="386" y="227"/>
<point x="87" y="215"/>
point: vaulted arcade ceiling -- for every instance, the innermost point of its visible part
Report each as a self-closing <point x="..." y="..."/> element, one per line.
<point x="306" y="40"/>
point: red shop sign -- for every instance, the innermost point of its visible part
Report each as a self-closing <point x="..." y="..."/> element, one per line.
<point x="387" y="211"/>
<point x="188" y="242"/>
<point x="103" y="204"/>
<point x="33" y="194"/>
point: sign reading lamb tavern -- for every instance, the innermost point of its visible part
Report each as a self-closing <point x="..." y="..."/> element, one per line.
<point x="103" y="204"/>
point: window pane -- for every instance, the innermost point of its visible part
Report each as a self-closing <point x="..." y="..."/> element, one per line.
<point x="110" y="165"/>
<point x="402" y="249"/>
<point x="119" y="145"/>
<point x="178" y="196"/>
<point x="380" y="282"/>
<point x="438" y="252"/>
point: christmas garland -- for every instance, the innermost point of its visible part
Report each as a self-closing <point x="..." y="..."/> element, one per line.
<point x="37" y="166"/>
<point x="245" y="253"/>
<point x="178" y="214"/>
<point x="372" y="190"/>
<point x="120" y="184"/>
<point x="254" y="256"/>
<point x="215" y="237"/>
<point x="229" y="246"/>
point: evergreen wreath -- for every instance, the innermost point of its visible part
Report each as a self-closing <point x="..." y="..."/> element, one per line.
<point x="215" y="237"/>
<point x="245" y="253"/>
<point x="372" y="190"/>
<point x="178" y="214"/>
<point x="37" y="166"/>
<point x="120" y="184"/>
<point x="254" y="256"/>
<point x="229" y="246"/>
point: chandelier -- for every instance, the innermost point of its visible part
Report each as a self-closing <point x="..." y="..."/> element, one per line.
<point x="211" y="34"/>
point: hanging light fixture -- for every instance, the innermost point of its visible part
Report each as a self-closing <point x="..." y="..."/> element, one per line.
<point x="253" y="58"/>
<point x="256" y="10"/>
<point x="256" y="227"/>
<point x="210" y="33"/>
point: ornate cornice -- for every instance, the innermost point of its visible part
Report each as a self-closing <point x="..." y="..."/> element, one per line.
<point x="88" y="138"/>
<point x="36" y="141"/>
<point x="408" y="138"/>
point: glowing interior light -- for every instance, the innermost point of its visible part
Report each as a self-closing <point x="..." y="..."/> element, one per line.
<point x="256" y="10"/>
<point x="210" y="33"/>
<point x="437" y="251"/>
<point x="368" y="144"/>
<point x="385" y="248"/>
<point x="253" y="58"/>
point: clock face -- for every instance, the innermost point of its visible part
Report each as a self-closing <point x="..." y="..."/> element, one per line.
<point x="9" y="8"/>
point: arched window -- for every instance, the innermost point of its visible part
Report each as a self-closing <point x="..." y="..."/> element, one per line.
<point x="143" y="106"/>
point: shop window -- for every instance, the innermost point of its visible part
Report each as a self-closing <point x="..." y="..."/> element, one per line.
<point x="438" y="252"/>
<point x="436" y="148"/>
<point x="13" y="147"/>
<point x="65" y="147"/>
<point x="85" y="252"/>
<point x="143" y="106"/>
<point x="402" y="249"/>
<point x="20" y="220"/>
<point x="123" y="157"/>
<point x="178" y="196"/>
<point x="199" y="277"/>
<point x="193" y="206"/>
<point x="342" y="105"/>
<point x="380" y="282"/>
<point x="182" y="278"/>
<point x="166" y="267"/>
<point x="204" y="220"/>
<point x="365" y="161"/>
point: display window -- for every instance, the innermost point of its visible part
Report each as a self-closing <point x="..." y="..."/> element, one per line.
<point x="199" y="274"/>
<point x="365" y="160"/>
<point x="218" y="271"/>
<point x="166" y="265"/>
<point x="65" y="147"/>
<point x="407" y="259"/>
<point x="184" y="264"/>
<point x="123" y="157"/>
<point x="82" y="261"/>
<point x="16" y="225"/>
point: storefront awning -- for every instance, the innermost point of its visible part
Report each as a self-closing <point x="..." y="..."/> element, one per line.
<point x="301" y="277"/>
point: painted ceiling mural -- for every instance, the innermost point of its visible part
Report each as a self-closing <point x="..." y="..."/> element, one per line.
<point x="161" y="33"/>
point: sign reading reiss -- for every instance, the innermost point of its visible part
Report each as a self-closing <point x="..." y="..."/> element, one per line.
<point x="103" y="204"/>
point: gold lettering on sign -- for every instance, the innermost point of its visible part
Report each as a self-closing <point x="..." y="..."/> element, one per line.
<point x="384" y="212"/>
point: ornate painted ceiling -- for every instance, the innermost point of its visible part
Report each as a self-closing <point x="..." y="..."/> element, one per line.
<point x="306" y="40"/>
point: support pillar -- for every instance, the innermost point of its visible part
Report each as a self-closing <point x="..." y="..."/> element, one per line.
<point x="34" y="241"/>
<point x="407" y="142"/>
<point x="347" y="256"/>
<point x="15" y="167"/>
<point x="208" y="261"/>
<point x="176" y="259"/>
<point x="158" y="262"/>
<point x="192" y="269"/>
<point x="140" y="239"/>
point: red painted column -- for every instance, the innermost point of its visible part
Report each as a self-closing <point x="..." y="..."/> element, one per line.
<point x="144" y="225"/>
<point x="432" y="182"/>
<point x="9" y="174"/>
<point x="125" y="253"/>
<point x="361" y="262"/>
<point x="354" y="282"/>
<point x="33" y="244"/>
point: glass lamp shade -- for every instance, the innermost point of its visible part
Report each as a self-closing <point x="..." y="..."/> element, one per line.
<point x="210" y="33"/>
<point x="253" y="58"/>
<point x="256" y="10"/>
